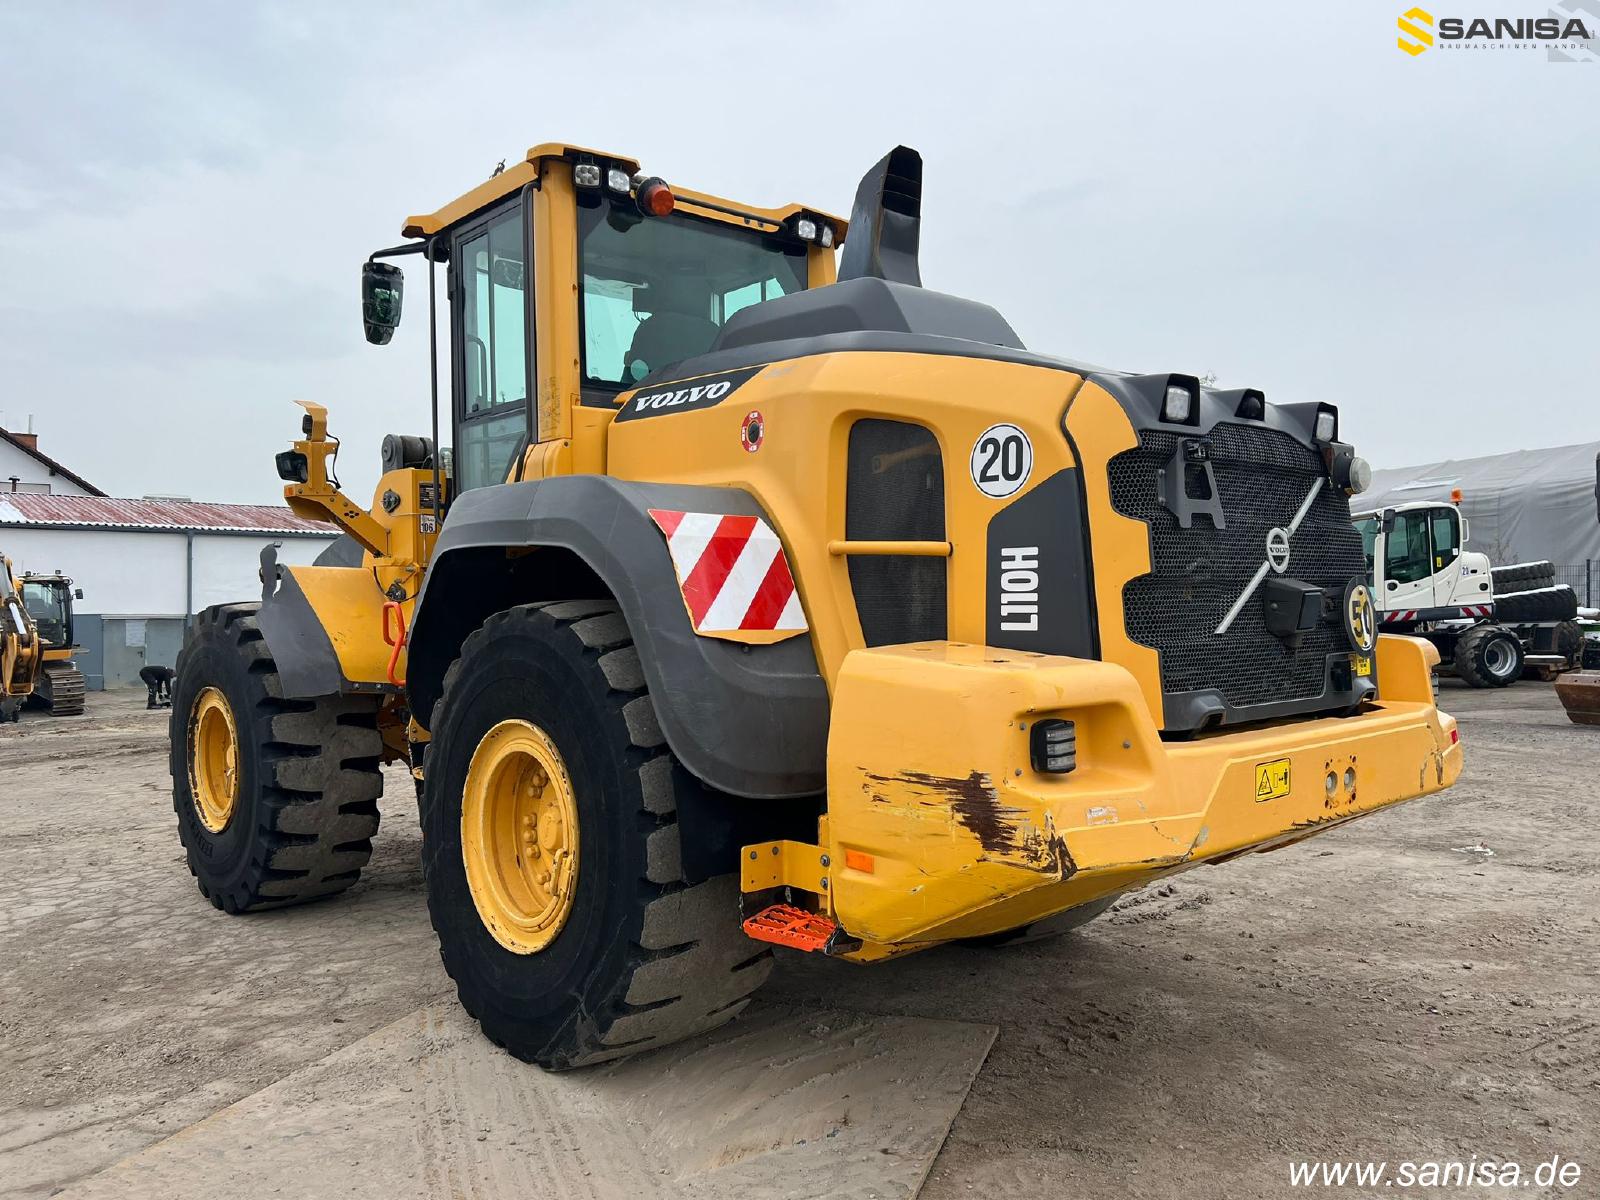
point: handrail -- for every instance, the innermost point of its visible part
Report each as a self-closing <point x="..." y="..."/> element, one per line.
<point x="842" y="547"/>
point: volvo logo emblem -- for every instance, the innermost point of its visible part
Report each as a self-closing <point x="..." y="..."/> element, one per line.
<point x="1278" y="549"/>
<point x="1277" y="555"/>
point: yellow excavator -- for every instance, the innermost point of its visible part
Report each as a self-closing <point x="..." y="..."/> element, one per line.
<point x="48" y="598"/>
<point x="21" y="654"/>
<point x="767" y="597"/>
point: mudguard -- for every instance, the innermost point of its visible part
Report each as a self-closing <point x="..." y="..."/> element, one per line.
<point x="749" y="720"/>
<point x="304" y="610"/>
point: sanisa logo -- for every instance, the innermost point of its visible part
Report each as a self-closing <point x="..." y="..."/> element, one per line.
<point x="1564" y="35"/>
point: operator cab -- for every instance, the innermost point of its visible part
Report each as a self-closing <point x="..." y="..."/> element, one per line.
<point x="574" y="277"/>
<point x="49" y="604"/>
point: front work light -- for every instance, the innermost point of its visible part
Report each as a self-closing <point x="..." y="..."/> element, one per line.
<point x="1053" y="746"/>
<point x="825" y="240"/>
<point x="618" y="180"/>
<point x="586" y="175"/>
<point x="806" y="229"/>
<point x="1326" y="428"/>
<point x="1178" y="407"/>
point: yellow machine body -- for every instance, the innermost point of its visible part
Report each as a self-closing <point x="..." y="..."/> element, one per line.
<point x="934" y="826"/>
<point x="21" y="652"/>
<point x="938" y="828"/>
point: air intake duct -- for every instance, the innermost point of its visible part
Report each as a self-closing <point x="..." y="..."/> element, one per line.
<point x="886" y="222"/>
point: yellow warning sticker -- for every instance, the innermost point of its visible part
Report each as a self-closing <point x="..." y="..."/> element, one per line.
<point x="1363" y="663"/>
<point x="1272" y="779"/>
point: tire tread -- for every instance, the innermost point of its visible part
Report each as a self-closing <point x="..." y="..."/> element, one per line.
<point x="693" y="968"/>
<point x="317" y="810"/>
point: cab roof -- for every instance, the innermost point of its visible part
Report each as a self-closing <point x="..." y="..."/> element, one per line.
<point x="1407" y="506"/>
<point x="514" y="178"/>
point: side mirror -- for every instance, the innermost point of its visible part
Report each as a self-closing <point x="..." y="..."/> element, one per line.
<point x="1465" y="531"/>
<point x="77" y="593"/>
<point x="382" y="289"/>
<point x="1388" y="520"/>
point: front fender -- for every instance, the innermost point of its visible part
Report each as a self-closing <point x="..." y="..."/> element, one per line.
<point x="750" y="720"/>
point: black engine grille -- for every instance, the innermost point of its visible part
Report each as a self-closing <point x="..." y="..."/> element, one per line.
<point x="894" y="491"/>
<point x="1262" y="477"/>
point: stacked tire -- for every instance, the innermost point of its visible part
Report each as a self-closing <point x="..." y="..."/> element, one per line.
<point x="1539" y="604"/>
<point x="1527" y="594"/>
<point x="1524" y="577"/>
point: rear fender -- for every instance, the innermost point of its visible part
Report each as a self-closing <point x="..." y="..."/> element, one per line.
<point x="751" y="720"/>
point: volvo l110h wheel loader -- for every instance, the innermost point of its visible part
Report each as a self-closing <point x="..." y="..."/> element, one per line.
<point x="762" y="604"/>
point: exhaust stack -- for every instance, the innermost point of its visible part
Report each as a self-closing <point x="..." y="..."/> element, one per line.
<point x="886" y="222"/>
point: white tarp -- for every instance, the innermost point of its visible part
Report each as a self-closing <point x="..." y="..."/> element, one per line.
<point x="1522" y="506"/>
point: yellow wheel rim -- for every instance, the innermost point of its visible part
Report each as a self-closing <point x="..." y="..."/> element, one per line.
<point x="213" y="759"/>
<point x="519" y="836"/>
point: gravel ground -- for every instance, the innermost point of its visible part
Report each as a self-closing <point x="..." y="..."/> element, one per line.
<point x="1379" y="992"/>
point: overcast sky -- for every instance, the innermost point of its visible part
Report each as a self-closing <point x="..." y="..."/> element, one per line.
<point x="1271" y="193"/>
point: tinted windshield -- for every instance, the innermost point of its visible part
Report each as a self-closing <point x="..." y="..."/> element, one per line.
<point x="655" y="292"/>
<point x="47" y="605"/>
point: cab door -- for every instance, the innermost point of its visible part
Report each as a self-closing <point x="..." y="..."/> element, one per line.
<point x="1407" y="562"/>
<point x="1451" y="580"/>
<point x="489" y="298"/>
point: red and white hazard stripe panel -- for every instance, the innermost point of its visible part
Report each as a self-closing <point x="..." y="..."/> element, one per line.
<point x="734" y="576"/>
<point x="1412" y="614"/>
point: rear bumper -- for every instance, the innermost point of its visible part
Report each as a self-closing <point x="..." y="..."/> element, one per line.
<point x="938" y="827"/>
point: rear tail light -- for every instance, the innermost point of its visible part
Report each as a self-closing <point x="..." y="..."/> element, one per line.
<point x="1053" y="746"/>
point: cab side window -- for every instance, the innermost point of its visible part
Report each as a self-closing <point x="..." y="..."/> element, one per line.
<point x="1446" y="524"/>
<point x="1406" y="555"/>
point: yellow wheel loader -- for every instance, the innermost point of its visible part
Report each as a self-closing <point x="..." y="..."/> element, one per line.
<point x="60" y="686"/>
<point x="21" y="654"/>
<point x="766" y="597"/>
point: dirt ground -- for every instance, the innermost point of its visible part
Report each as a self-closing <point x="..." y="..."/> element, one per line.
<point x="1376" y="993"/>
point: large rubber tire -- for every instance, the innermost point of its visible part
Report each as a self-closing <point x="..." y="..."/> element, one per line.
<point x="1524" y="577"/>
<point x="1569" y="643"/>
<point x="1489" y="657"/>
<point x="308" y="780"/>
<point x="1049" y="927"/>
<point x="643" y="958"/>
<point x="1546" y="604"/>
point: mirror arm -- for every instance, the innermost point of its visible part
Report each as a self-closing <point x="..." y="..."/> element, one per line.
<point x="398" y="251"/>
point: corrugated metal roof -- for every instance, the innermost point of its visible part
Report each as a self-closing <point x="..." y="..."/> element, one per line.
<point x="24" y="508"/>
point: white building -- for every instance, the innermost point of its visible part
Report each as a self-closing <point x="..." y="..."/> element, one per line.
<point x="24" y="469"/>
<point x="144" y="566"/>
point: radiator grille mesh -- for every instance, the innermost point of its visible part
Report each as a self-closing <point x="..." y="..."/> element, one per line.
<point x="1262" y="476"/>
<point x="895" y="492"/>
